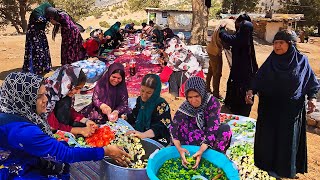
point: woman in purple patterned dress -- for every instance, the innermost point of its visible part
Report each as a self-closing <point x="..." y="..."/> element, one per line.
<point x="197" y="122"/>
<point x="72" y="49"/>
<point x="110" y="96"/>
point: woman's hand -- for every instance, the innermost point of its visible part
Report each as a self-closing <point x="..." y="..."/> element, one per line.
<point x="87" y="131"/>
<point x="113" y="117"/>
<point x="197" y="156"/>
<point x="91" y="124"/>
<point x="312" y="105"/>
<point x="136" y="134"/>
<point x="117" y="154"/>
<point x="249" y="96"/>
<point x="183" y="152"/>
<point x="124" y="117"/>
<point x="105" y="109"/>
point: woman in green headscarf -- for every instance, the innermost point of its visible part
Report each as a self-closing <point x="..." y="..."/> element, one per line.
<point x="113" y="36"/>
<point x="151" y="115"/>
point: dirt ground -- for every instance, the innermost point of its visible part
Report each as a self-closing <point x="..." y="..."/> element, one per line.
<point x="11" y="59"/>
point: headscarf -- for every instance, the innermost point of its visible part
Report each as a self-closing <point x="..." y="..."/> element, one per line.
<point x="60" y="83"/>
<point x="199" y="85"/>
<point x="289" y="74"/>
<point x="145" y="112"/>
<point x="111" y="95"/>
<point x="112" y="31"/>
<point x="18" y="95"/>
<point x="170" y="33"/>
<point x="157" y="35"/>
<point x="95" y="34"/>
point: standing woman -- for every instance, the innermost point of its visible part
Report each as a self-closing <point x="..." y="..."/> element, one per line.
<point x="282" y="83"/>
<point x="37" y="58"/>
<point x="71" y="45"/>
<point x="244" y="65"/>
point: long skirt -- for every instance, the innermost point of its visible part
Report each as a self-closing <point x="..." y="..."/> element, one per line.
<point x="37" y="58"/>
<point x="280" y="141"/>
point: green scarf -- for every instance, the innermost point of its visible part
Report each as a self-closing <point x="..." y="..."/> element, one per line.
<point x="112" y="31"/>
<point x="145" y="112"/>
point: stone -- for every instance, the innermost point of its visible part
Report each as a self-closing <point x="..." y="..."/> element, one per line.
<point x="318" y="124"/>
<point x="311" y="122"/>
<point x="317" y="131"/>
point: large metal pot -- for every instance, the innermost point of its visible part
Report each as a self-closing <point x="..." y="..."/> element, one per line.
<point x="110" y="171"/>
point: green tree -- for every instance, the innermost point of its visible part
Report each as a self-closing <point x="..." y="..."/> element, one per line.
<point x="136" y="5"/>
<point x="238" y="6"/>
<point x="75" y="8"/>
<point x="216" y="7"/>
<point x="13" y="12"/>
<point x="310" y="9"/>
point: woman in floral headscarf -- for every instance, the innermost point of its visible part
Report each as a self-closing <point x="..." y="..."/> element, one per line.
<point x="61" y="87"/>
<point x="27" y="148"/>
<point x="197" y="122"/>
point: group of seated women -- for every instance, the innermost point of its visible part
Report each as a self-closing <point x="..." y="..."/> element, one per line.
<point x="31" y="108"/>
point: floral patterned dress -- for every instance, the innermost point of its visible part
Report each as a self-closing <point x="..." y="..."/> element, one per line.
<point x="160" y="121"/>
<point x="217" y="136"/>
<point x="72" y="49"/>
<point x="37" y="58"/>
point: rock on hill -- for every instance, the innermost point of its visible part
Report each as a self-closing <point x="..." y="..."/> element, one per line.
<point x="104" y="3"/>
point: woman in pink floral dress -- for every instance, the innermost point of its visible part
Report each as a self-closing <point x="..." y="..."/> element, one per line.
<point x="72" y="49"/>
<point x="197" y="122"/>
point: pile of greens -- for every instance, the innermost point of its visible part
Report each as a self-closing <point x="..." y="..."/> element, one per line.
<point x="244" y="128"/>
<point x="242" y="155"/>
<point x="172" y="169"/>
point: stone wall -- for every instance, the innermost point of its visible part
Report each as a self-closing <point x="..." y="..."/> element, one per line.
<point x="259" y="28"/>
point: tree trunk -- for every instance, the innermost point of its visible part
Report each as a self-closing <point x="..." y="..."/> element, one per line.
<point x="22" y="13"/>
<point x="199" y="22"/>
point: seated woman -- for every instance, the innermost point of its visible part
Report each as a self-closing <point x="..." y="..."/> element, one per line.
<point x="27" y="148"/>
<point x="61" y="88"/>
<point x="157" y="38"/>
<point x="92" y="44"/>
<point x="197" y="122"/>
<point x="151" y="115"/>
<point x="113" y="37"/>
<point x="110" y="96"/>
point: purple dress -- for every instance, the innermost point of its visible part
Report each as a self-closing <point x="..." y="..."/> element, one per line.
<point x="217" y="136"/>
<point x="72" y="49"/>
<point x="114" y="96"/>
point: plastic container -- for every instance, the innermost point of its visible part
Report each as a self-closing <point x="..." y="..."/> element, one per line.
<point x="157" y="159"/>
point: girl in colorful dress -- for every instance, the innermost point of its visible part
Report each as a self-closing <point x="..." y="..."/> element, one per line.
<point x="61" y="88"/>
<point x="197" y="122"/>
